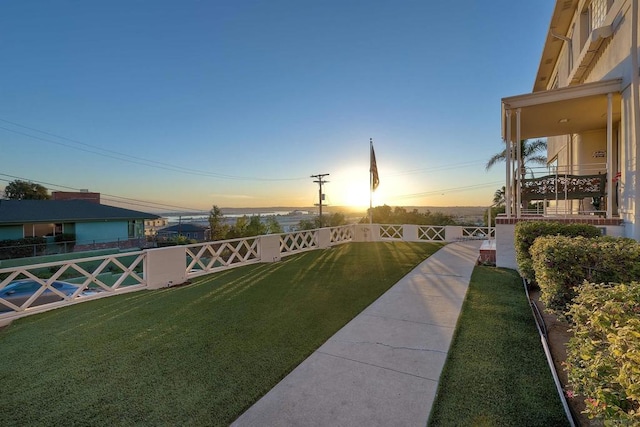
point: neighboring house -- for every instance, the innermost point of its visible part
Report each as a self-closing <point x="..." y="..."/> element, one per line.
<point x="94" y="225"/>
<point x="190" y="231"/>
<point x="151" y="226"/>
<point x="586" y="102"/>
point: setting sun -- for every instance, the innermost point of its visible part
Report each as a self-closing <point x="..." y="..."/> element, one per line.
<point x="350" y="187"/>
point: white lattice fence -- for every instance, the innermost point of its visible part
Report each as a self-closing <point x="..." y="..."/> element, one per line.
<point x="64" y="282"/>
<point x="342" y="234"/>
<point x="391" y="232"/>
<point x="291" y="243"/>
<point x="431" y="233"/>
<point x="477" y="232"/>
<point x="204" y="258"/>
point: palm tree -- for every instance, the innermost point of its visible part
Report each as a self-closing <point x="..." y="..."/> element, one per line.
<point x="531" y="154"/>
<point x="530" y="150"/>
<point x="498" y="197"/>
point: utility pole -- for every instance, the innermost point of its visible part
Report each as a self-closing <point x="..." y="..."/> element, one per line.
<point x="320" y="181"/>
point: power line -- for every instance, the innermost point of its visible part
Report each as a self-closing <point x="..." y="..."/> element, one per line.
<point x="127" y="200"/>
<point x="448" y="190"/>
<point x="129" y="158"/>
<point x="320" y="180"/>
<point x="438" y="168"/>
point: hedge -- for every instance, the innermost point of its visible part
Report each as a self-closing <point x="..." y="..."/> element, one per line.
<point x="603" y="356"/>
<point x="22" y="248"/>
<point x="526" y="233"/>
<point x="561" y="264"/>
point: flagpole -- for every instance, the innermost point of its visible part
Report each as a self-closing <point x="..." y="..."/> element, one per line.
<point x="370" y="182"/>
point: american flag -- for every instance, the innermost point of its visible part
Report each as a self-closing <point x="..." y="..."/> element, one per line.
<point x="373" y="169"/>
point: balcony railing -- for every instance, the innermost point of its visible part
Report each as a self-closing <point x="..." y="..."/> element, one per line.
<point x="564" y="187"/>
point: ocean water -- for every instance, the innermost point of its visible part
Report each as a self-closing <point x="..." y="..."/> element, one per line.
<point x="288" y="220"/>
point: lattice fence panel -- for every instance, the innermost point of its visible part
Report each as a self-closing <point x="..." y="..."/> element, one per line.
<point x="431" y="233"/>
<point x="391" y="232"/>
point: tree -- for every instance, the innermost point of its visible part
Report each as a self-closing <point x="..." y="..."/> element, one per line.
<point x="255" y="227"/>
<point x="217" y="224"/>
<point x="309" y="224"/>
<point x="531" y="154"/>
<point x="334" y="220"/>
<point x="273" y="226"/>
<point x="23" y="190"/>
<point x="498" y="197"/>
<point x="337" y="219"/>
<point x="238" y="229"/>
<point x="399" y="215"/>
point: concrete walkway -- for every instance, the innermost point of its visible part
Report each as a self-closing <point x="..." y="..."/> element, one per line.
<point x="383" y="367"/>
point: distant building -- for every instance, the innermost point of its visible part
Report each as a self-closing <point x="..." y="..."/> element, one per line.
<point x="76" y="195"/>
<point x="190" y="231"/>
<point x="94" y="226"/>
<point x="151" y="226"/>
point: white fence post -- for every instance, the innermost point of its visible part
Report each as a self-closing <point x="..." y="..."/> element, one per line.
<point x="270" y="248"/>
<point x="410" y="233"/>
<point x="324" y="238"/>
<point x="452" y="233"/>
<point x="367" y="233"/>
<point x="166" y="267"/>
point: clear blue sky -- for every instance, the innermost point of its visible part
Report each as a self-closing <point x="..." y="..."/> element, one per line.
<point x="236" y="103"/>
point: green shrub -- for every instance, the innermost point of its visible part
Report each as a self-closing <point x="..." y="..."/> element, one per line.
<point x="561" y="264"/>
<point x="527" y="231"/>
<point x="603" y="358"/>
<point x="22" y="248"/>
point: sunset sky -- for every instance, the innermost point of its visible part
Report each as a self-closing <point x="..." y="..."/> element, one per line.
<point x="185" y="104"/>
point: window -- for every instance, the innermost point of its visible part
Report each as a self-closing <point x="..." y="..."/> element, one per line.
<point x="597" y="13"/>
<point x="593" y="17"/>
<point x="39" y="230"/>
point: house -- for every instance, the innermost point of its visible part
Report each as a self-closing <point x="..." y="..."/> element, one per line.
<point x="151" y="226"/>
<point x="586" y="103"/>
<point x="93" y="225"/>
<point x="190" y="231"/>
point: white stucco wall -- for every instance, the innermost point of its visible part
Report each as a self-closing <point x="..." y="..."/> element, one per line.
<point x="505" y="248"/>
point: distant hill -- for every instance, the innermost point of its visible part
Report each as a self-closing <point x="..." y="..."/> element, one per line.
<point x="457" y="211"/>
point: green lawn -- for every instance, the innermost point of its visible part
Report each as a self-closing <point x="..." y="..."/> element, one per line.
<point x="496" y="372"/>
<point x="194" y="355"/>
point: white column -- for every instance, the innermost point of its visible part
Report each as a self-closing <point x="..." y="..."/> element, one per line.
<point x="270" y="248"/>
<point x="165" y="267"/>
<point x="610" y="171"/>
<point x="507" y="160"/>
<point x="324" y="238"/>
<point x="410" y="233"/>
<point x="518" y="174"/>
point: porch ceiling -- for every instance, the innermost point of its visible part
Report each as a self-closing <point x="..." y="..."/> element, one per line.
<point x="563" y="111"/>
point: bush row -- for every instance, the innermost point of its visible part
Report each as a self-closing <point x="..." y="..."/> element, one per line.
<point x="603" y="356"/>
<point x="526" y="233"/>
<point x="562" y="264"/>
<point x="22" y="248"/>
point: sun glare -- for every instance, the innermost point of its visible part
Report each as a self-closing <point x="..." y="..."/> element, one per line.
<point x="351" y="188"/>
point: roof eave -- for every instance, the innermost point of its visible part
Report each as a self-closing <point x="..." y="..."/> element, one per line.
<point x="561" y="19"/>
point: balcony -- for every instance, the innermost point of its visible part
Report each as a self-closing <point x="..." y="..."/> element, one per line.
<point x="564" y="187"/>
